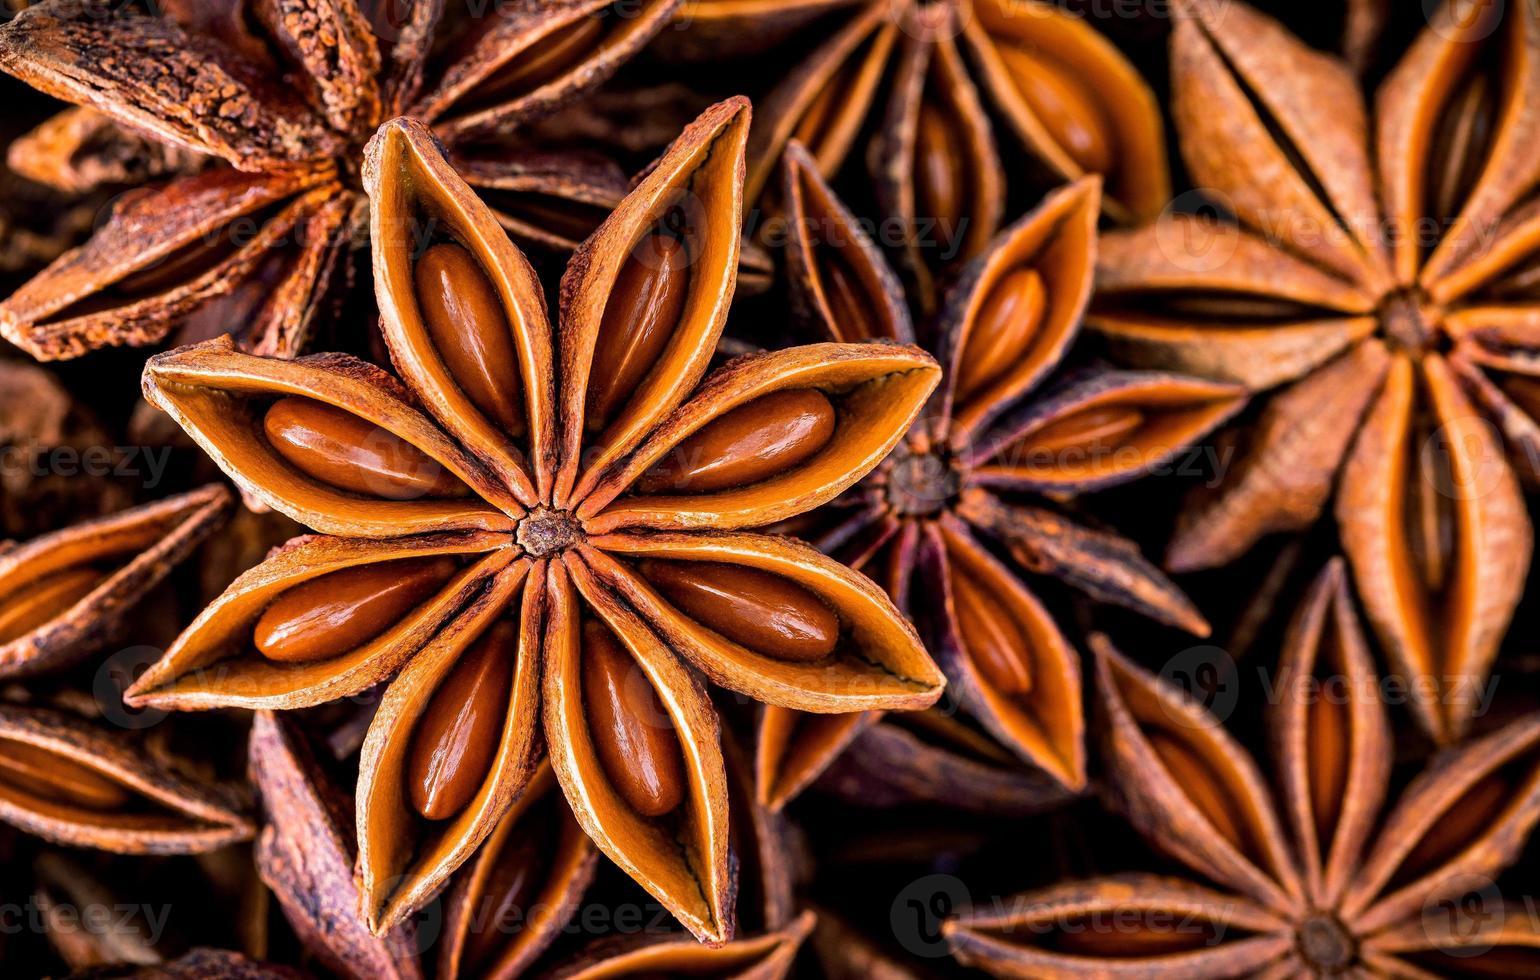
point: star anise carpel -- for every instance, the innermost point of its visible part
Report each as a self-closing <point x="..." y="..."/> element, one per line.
<point x="266" y="106"/>
<point x="924" y="73"/>
<point x="1380" y="279"/>
<point x="955" y="522"/>
<point x="1312" y="878"/>
<point x="539" y="535"/>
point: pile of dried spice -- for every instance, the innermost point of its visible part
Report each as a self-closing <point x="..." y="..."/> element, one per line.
<point x="819" y="488"/>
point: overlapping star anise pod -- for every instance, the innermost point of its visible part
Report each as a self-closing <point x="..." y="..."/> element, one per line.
<point x="546" y="523"/>
<point x="1317" y="881"/>
<point x="956" y="519"/>
<point x="923" y="72"/>
<point x="1382" y="280"/>
<point x="283" y="93"/>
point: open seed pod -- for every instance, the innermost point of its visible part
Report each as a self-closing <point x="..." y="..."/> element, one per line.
<point x="939" y="523"/>
<point x="924" y="72"/>
<point x="764" y="957"/>
<point x="1314" y="880"/>
<point x="498" y="71"/>
<point x="164" y="253"/>
<point x="73" y="783"/>
<point x="520" y="549"/>
<point x="520" y="890"/>
<point x="65" y="594"/>
<point x="259" y="119"/>
<point x="709" y="30"/>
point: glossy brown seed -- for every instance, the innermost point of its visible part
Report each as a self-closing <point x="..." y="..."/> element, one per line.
<point x="57" y="778"/>
<point x="991" y="637"/>
<point x="1327" y="735"/>
<point x="1065" y="107"/>
<point x="1204" y="787"/>
<point x="1098" y="428"/>
<point x="753" y="442"/>
<point x="330" y="615"/>
<point x="466" y="322"/>
<point x="512" y="887"/>
<point x="940" y="174"/>
<point x="765" y="612"/>
<point x="544" y="61"/>
<point x="37" y="602"/>
<point x="1004" y="329"/>
<point x="354" y="454"/>
<point x="632" y="732"/>
<point x="1095" y="936"/>
<point x="643" y="309"/>
<point x="459" y="731"/>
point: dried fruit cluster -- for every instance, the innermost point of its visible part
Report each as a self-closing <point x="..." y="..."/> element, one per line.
<point x="708" y="488"/>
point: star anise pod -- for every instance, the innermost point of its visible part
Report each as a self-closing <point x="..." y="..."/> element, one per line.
<point x="945" y="524"/>
<point x="1317" y="881"/>
<point x="924" y="72"/>
<point x="284" y="93"/>
<point x="74" y="782"/>
<point x="557" y="527"/>
<point x="66" y="594"/>
<point x="1382" y="280"/>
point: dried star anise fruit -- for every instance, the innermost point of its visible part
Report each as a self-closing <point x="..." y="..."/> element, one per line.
<point x="64" y="595"/>
<point x="929" y="521"/>
<point x="73" y="782"/>
<point x="557" y="530"/>
<point x="1319" y="882"/>
<point x="1382" y="280"/>
<point x="285" y="94"/>
<point x="923" y="72"/>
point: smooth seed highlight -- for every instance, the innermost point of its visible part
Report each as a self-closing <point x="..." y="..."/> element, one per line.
<point x="632" y="733"/>
<point x="466" y="323"/>
<point x="36" y="603"/>
<point x="643" y="309"/>
<point x="765" y="612"/>
<point x="753" y="442"/>
<point x="1006" y="325"/>
<point x="330" y="615"/>
<point x="458" y="734"/>
<point x="1065" y="108"/>
<point x="991" y="636"/>
<point x="353" y="454"/>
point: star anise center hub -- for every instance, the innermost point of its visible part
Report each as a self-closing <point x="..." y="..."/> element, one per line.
<point x="545" y="531"/>
<point x="922" y="483"/>
<point x="1325" y="943"/>
<point x="1409" y="322"/>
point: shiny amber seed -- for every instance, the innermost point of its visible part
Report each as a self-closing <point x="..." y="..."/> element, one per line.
<point x="1003" y="330"/>
<point x="59" y="779"/>
<point x="632" y="732"/>
<point x="1327" y="738"/>
<point x="765" y="612"/>
<point x="991" y="636"/>
<point x="643" y="309"/>
<point x="753" y="442"/>
<point x="1065" y="107"/>
<point x="330" y="615"/>
<point x="339" y="448"/>
<point x="466" y="322"/>
<point x="940" y="170"/>
<point x="37" y="602"/>
<point x="1462" y="823"/>
<point x="458" y="733"/>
